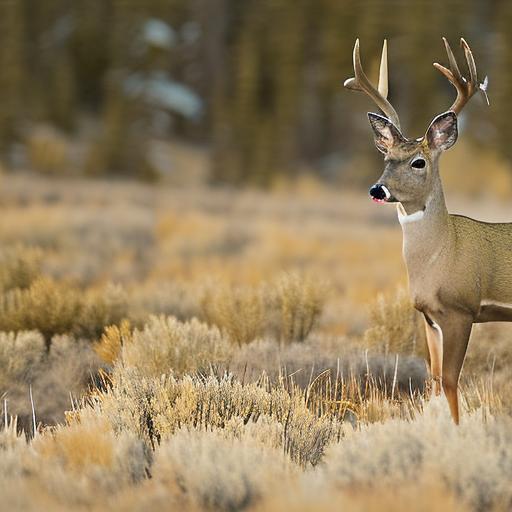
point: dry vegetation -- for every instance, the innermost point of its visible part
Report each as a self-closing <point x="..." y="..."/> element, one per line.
<point x="200" y="350"/>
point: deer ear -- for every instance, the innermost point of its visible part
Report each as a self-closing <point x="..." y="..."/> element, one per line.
<point x="442" y="132"/>
<point x="386" y="134"/>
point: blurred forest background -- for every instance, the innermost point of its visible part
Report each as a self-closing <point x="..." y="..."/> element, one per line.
<point x="122" y="88"/>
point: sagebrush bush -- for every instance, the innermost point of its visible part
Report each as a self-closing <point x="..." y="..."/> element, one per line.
<point x="19" y="267"/>
<point x="216" y="472"/>
<point x="394" y="325"/>
<point x="48" y="306"/>
<point x="20" y="355"/>
<point x="101" y="307"/>
<point x="238" y="312"/>
<point x="90" y="445"/>
<point x="53" y="376"/>
<point x="154" y="408"/>
<point x="286" y="309"/>
<point x="298" y="301"/>
<point x="472" y="460"/>
<point x="112" y="340"/>
<point x="80" y="465"/>
<point x="55" y="307"/>
<point x="13" y="447"/>
<point x="164" y="345"/>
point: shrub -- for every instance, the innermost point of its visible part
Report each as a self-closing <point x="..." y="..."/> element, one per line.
<point x="20" y="355"/>
<point x="13" y="448"/>
<point x="395" y="327"/>
<point x="101" y="307"/>
<point x="238" y="312"/>
<point x="90" y="445"/>
<point x="54" y="307"/>
<point x="112" y="340"/>
<point x="165" y="345"/>
<point x="214" y="472"/>
<point x="53" y="376"/>
<point x="48" y="306"/>
<point x="288" y="309"/>
<point x="298" y="302"/>
<point x="472" y="460"/>
<point x="19" y="267"/>
<point x="155" y="408"/>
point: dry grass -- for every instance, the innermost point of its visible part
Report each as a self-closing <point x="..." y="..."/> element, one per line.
<point x="255" y="354"/>
<point x="287" y="309"/>
<point x="239" y="312"/>
<point x="167" y="345"/>
<point x="396" y="327"/>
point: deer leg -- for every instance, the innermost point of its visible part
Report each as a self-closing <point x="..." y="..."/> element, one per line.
<point x="435" y="350"/>
<point x="456" y="329"/>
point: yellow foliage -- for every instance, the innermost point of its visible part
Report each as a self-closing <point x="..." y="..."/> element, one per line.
<point x="78" y="446"/>
<point x="395" y="326"/>
<point x="48" y="306"/>
<point x="238" y="312"/>
<point x="299" y="302"/>
<point x="19" y="267"/>
<point x="112" y="340"/>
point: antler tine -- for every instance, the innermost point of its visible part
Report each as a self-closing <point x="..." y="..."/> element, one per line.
<point x="470" y="60"/>
<point x="453" y="62"/>
<point x="360" y="82"/>
<point x="383" y="71"/>
<point x="465" y="88"/>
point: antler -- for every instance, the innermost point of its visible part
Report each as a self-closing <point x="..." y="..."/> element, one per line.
<point x="465" y="88"/>
<point x="360" y="82"/>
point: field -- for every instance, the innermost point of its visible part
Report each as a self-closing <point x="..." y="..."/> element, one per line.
<point x="210" y="349"/>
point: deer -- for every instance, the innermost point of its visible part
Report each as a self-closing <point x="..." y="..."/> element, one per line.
<point x="459" y="269"/>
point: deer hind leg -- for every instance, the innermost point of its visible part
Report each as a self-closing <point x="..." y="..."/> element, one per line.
<point x="435" y="349"/>
<point x="456" y="329"/>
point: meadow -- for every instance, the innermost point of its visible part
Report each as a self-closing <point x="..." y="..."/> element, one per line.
<point x="191" y="348"/>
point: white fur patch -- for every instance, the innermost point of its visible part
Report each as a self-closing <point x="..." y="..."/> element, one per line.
<point x="439" y="331"/>
<point x="386" y="191"/>
<point x="413" y="217"/>
<point x="489" y="302"/>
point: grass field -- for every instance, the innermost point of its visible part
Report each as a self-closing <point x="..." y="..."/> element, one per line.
<point x="209" y="349"/>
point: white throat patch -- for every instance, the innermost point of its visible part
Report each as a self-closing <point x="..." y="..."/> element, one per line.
<point x="403" y="218"/>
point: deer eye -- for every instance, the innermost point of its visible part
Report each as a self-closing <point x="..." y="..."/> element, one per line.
<point x="419" y="163"/>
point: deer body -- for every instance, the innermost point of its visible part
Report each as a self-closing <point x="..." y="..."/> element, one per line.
<point x="454" y="262"/>
<point x="459" y="269"/>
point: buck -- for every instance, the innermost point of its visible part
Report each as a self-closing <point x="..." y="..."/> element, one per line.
<point x="459" y="269"/>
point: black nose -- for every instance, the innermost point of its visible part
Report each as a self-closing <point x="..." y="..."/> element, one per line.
<point x="378" y="192"/>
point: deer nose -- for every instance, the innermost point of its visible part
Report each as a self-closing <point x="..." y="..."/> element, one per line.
<point x="379" y="192"/>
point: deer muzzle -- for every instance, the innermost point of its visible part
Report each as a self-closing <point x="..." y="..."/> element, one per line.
<point x="380" y="194"/>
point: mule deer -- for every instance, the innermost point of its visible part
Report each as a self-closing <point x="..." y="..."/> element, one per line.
<point x="459" y="269"/>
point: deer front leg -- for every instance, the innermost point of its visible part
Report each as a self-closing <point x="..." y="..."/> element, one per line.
<point x="456" y="329"/>
<point x="435" y="350"/>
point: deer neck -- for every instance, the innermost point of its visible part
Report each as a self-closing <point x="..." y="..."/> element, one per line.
<point x="426" y="230"/>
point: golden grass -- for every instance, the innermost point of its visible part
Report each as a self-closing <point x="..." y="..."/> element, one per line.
<point x="78" y="446"/>
<point x="239" y="312"/>
<point x="112" y="340"/>
<point x="396" y="327"/>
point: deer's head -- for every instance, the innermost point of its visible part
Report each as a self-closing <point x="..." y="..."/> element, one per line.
<point x="411" y="169"/>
